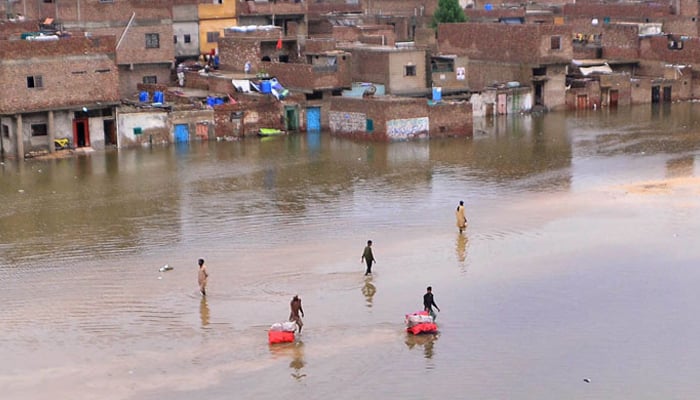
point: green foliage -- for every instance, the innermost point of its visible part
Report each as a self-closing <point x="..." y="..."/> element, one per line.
<point x="448" y="11"/>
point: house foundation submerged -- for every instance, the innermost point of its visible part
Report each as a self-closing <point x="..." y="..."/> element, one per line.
<point x="394" y="119"/>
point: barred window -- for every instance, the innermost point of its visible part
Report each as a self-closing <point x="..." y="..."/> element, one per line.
<point x="152" y="40"/>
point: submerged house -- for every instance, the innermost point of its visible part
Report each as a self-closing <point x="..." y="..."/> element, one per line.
<point x="530" y="55"/>
<point x="62" y="88"/>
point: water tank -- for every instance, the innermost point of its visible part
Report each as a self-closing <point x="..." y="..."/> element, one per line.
<point x="265" y="87"/>
<point x="437" y="94"/>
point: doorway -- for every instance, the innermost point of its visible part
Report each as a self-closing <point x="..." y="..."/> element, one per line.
<point x="81" y="132"/>
<point x="655" y="94"/>
<point x="582" y="102"/>
<point x="614" y="98"/>
<point x="110" y="132"/>
<point x="291" y="118"/>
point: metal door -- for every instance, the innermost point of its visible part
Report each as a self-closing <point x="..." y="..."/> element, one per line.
<point x="313" y="119"/>
<point x="182" y="133"/>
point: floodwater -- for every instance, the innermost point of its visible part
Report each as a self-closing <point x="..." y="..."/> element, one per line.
<point x="580" y="262"/>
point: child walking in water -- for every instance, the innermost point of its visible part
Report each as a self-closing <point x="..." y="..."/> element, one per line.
<point x="368" y="257"/>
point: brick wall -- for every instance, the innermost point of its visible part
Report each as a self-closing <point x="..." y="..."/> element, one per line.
<point x="625" y="12"/>
<point x="319" y="45"/>
<point x="451" y="120"/>
<point x="369" y="66"/>
<point x="657" y="48"/>
<point x="15" y="29"/>
<point x="681" y="25"/>
<point x="129" y="78"/>
<point x="73" y="72"/>
<point x="620" y="42"/>
<point x="96" y="12"/>
<point x="258" y="111"/>
<point x="401" y="7"/>
<point x="506" y="43"/>
<point x="348" y="117"/>
<point x="132" y="49"/>
<point x="304" y="76"/>
<point x="233" y="53"/>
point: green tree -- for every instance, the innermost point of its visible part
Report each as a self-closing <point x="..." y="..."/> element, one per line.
<point x="448" y="11"/>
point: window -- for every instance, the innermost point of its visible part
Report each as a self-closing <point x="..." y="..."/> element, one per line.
<point x="48" y="1"/>
<point x="35" y="81"/>
<point x="442" y="65"/>
<point x="152" y="40"/>
<point x="5" y="131"/>
<point x="102" y="71"/>
<point x="212" y="37"/>
<point x="555" y="42"/>
<point x="106" y="1"/>
<point x="79" y="72"/>
<point x="188" y="38"/>
<point x="218" y="1"/>
<point x="409" y="70"/>
<point x="150" y="79"/>
<point x="175" y="39"/>
<point x="39" y="130"/>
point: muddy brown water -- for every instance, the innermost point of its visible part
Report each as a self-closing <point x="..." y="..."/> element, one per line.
<point x="580" y="262"/>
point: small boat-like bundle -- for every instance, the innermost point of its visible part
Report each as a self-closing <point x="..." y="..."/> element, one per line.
<point x="420" y="322"/>
<point x="270" y="132"/>
<point x="281" y="332"/>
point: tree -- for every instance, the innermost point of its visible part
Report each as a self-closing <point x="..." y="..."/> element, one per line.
<point x="448" y="11"/>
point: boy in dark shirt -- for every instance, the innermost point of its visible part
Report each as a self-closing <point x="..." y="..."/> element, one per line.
<point x="429" y="302"/>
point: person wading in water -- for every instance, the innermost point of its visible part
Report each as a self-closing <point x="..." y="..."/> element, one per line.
<point x="461" y="217"/>
<point x="368" y="257"/>
<point x="295" y="306"/>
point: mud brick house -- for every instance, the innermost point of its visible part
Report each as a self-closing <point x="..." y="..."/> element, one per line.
<point x="400" y="70"/>
<point x="143" y="30"/>
<point x="532" y="55"/>
<point x="56" y="89"/>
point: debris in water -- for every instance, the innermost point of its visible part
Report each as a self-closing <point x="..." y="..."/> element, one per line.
<point x="165" y="267"/>
<point x="586" y="380"/>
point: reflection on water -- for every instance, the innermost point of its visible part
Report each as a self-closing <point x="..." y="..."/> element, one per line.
<point x="295" y="352"/>
<point x="680" y="167"/>
<point x="368" y="290"/>
<point x="204" y="312"/>
<point x="461" y="250"/>
<point x="426" y="341"/>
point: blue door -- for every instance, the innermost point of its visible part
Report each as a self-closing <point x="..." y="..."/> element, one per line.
<point x="313" y="119"/>
<point x="182" y="133"/>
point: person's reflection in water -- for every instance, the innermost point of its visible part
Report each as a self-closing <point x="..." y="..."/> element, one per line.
<point x="369" y="290"/>
<point x="204" y="312"/>
<point x="297" y="363"/>
<point x="461" y="250"/>
<point x="425" y="340"/>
